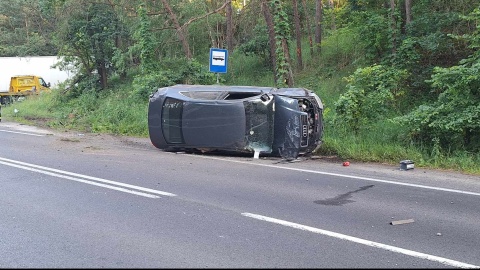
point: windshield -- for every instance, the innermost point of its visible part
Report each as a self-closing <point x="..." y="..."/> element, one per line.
<point x="42" y="82"/>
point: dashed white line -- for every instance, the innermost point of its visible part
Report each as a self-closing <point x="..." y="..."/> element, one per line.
<point x="77" y="177"/>
<point x="407" y="252"/>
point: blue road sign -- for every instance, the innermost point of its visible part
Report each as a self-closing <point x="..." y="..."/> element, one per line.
<point x="218" y="60"/>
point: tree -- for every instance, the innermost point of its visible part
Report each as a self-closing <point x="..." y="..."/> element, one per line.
<point x="298" y="35"/>
<point x="408" y="12"/>
<point x="145" y="41"/>
<point x="332" y="19"/>
<point x="26" y="29"/>
<point x="393" y="26"/>
<point x="271" y="36"/>
<point x="307" y="23"/>
<point x="229" y="25"/>
<point x="179" y="30"/>
<point x="318" y="22"/>
<point x="282" y="33"/>
<point x="87" y="37"/>
<point x="452" y="122"/>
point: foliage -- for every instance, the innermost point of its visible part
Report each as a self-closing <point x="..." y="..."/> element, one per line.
<point x="454" y="119"/>
<point x="84" y="83"/>
<point x="258" y="44"/>
<point x="375" y="32"/>
<point x="428" y="45"/>
<point x="372" y="93"/>
<point x="248" y="70"/>
<point x="145" y="42"/>
<point x="426" y="69"/>
<point x="88" y="37"/>
<point x="452" y="122"/>
<point x="119" y="114"/>
<point x="26" y="28"/>
<point x="193" y="72"/>
<point x="146" y="84"/>
<point x="282" y="35"/>
<point x="369" y="146"/>
<point x="342" y="49"/>
<point x="181" y="71"/>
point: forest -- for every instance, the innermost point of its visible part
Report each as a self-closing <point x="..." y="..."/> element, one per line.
<point x="399" y="78"/>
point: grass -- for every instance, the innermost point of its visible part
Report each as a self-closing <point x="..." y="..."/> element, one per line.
<point x="115" y="111"/>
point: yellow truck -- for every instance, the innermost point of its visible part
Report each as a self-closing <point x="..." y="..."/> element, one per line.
<point x="24" y="85"/>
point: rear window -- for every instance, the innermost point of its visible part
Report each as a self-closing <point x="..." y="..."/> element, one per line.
<point x="172" y="120"/>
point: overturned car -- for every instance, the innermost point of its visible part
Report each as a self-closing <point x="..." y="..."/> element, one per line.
<point x="284" y="122"/>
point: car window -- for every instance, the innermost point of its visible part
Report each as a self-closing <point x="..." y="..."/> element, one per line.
<point x="172" y="120"/>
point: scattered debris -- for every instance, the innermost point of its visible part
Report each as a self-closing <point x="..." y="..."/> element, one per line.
<point x="346" y="163"/>
<point x="406" y="165"/>
<point x="439" y="234"/>
<point x="405" y="221"/>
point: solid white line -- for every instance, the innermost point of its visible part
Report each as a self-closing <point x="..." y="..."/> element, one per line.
<point x="364" y="242"/>
<point x="64" y="174"/>
<point x="81" y="180"/>
<point x="347" y="176"/>
<point x="163" y="193"/>
<point x="24" y="133"/>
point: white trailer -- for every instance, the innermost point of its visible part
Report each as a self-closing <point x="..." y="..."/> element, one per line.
<point x="38" y="65"/>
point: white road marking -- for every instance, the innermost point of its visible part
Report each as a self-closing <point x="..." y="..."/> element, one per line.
<point x="65" y="175"/>
<point x="407" y="252"/>
<point x="23" y="133"/>
<point x="346" y="176"/>
<point x="78" y="177"/>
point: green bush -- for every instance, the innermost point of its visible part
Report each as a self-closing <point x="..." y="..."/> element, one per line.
<point x="146" y="84"/>
<point x="372" y="93"/>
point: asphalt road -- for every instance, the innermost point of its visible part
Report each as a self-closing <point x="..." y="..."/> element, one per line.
<point x="71" y="200"/>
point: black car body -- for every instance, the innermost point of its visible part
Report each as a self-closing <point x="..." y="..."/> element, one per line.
<point x="284" y="122"/>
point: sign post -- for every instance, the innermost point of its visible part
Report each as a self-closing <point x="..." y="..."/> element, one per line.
<point x="218" y="61"/>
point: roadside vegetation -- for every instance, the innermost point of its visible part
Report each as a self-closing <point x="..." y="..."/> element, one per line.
<point x="398" y="80"/>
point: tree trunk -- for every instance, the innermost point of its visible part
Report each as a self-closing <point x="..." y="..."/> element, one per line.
<point x="284" y="62"/>
<point x="309" y="29"/>
<point x="286" y="51"/>
<point x="229" y="25"/>
<point x="102" y="72"/>
<point x="298" y="35"/>
<point x="271" y="36"/>
<point x="179" y="29"/>
<point x="318" y="22"/>
<point x="394" y="26"/>
<point x="408" y="11"/>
